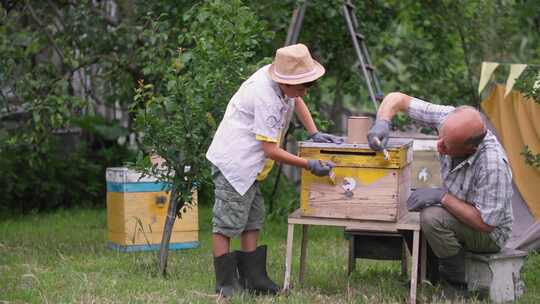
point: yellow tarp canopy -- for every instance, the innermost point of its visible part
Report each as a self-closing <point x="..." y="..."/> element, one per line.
<point x="517" y="121"/>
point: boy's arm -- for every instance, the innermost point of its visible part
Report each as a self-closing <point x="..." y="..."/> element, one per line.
<point x="316" y="167"/>
<point x="273" y="151"/>
<point x="304" y="115"/>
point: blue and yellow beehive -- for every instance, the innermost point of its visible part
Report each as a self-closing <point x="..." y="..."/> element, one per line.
<point x="136" y="212"/>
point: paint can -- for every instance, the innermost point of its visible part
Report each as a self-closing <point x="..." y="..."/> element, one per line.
<point x="357" y="129"/>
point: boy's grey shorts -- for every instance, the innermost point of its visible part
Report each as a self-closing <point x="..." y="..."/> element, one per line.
<point x="234" y="213"/>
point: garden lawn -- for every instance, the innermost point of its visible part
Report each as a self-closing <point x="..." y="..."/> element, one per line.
<point x="62" y="257"/>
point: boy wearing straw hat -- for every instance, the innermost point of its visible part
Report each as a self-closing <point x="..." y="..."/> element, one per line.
<point x="243" y="150"/>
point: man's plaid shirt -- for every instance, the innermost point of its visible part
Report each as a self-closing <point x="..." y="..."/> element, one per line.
<point x="483" y="180"/>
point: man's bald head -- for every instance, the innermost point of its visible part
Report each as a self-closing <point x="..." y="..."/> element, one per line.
<point x="462" y="132"/>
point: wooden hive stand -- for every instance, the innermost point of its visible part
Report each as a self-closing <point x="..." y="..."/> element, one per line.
<point x="410" y="222"/>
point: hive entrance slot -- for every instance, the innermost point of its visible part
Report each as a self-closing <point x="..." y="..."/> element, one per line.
<point x="361" y="153"/>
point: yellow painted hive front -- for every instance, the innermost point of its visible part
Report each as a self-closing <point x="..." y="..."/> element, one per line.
<point x="366" y="186"/>
<point x="136" y="212"/>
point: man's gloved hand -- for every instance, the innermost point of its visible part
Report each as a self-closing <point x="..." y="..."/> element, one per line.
<point x="326" y="138"/>
<point x="425" y="197"/>
<point x="319" y="167"/>
<point x="379" y="134"/>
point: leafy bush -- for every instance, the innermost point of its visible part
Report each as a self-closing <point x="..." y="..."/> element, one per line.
<point x="179" y="114"/>
<point x="528" y="84"/>
<point x="56" y="178"/>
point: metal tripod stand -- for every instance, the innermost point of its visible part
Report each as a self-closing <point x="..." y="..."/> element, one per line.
<point x="364" y="65"/>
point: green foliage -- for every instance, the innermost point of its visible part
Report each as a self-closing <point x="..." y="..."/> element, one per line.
<point x="194" y="54"/>
<point x="435" y="48"/>
<point x="530" y="158"/>
<point x="60" y="178"/>
<point x="528" y="83"/>
<point x="44" y="105"/>
<point x="179" y="114"/>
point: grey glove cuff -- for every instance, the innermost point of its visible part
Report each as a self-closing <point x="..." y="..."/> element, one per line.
<point x="310" y="137"/>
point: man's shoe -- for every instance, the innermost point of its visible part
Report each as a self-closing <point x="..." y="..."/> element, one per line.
<point x="452" y="269"/>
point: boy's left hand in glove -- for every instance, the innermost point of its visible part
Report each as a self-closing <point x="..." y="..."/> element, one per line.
<point x="325" y="138"/>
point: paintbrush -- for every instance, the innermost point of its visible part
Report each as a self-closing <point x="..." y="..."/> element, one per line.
<point x="385" y="152"/>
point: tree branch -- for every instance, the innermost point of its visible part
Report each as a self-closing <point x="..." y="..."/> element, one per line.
<point x="108" y="19"/>
<point x="49" y="35"/>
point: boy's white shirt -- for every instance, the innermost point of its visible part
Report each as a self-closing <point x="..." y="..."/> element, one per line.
<point x="257" y="108"/>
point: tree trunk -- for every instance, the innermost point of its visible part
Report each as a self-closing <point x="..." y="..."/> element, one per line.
<point x="167" y="231"/>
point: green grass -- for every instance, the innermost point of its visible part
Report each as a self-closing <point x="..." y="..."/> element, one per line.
<point x="62" y="258"/>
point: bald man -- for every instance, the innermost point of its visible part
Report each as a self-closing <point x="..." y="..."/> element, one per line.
<point x="472" y="211"/>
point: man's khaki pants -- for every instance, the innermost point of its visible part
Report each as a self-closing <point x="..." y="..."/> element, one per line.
<point x="448" y="239"/>
<point x="446" y="235"/>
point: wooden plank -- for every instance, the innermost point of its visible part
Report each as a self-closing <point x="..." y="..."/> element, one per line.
<point x="358" y="155"/>
<point x="404" y="191"/>
<point x="411" y="221"/>
<point x="352" y="256"/>
<point x="144" y="237"/>
<point x="354" y="224"/>
<point x="115" y="212"/>
<point x="364" y="214"/>
<point x="397" y="159"/>
<point x="404" y="257"/>
<point x="371" y="196"/>
<point x="414" y="270"/>
<point x="393" y="143"/>
<point x="140" y="209"/>
<point x="288" y="257"/>
<point x="426" y="169"/>
<point x="303" y="253"/>
<point x="423" y="258"/>
<point x="408" y="222"/>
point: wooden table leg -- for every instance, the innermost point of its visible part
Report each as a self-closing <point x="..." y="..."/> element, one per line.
<point x="303" y="253"/>
<point x="288" y="257"/>
<point x="423" y="258"/>
<point x="414" y="270"/>
<point x="404" y="258"/>
<point x="352" y="255"/>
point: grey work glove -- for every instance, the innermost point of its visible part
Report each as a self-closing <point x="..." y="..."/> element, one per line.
<point x="379" y="134"/>
<point x="319" y="167"/>
<point x="425" y="197"/>
<point x="325" y="138"/>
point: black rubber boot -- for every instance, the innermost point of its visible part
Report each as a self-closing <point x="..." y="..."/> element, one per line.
<point x="252" y="271"/>
<point x="452" y="269"/>
<point x="226" y="270"/>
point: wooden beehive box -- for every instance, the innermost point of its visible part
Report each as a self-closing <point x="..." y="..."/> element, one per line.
<point x="426" y="168"/>
<point x="136" y="212"/>
<point x="366" y="186"/>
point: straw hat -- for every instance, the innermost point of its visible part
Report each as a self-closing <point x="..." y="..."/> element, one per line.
<point x="293" y="65"/>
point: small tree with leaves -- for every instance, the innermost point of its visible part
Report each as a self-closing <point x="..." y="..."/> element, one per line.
<point x="529" y="84"/>
<point x="178" y="116"/>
